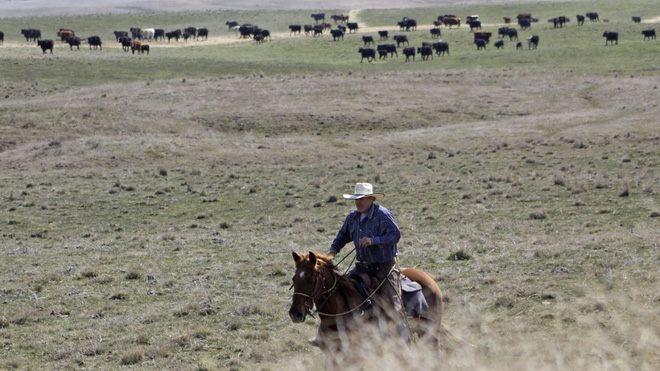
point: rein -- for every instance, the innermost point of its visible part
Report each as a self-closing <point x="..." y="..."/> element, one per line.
<point x="331" y="291"/>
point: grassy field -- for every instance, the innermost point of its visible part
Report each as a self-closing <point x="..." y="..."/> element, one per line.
<point x="149" y="204"/>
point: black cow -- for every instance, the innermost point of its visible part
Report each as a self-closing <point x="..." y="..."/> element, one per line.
<point x="525" y="23"/>
<point x="435" y="32"/>
<point x="259" y="38"/>
<point x="247" y="30"/>
<point x="318" y="17"/>
<point x="265" y="34"/>
<point x="385" y="49"/>
<point x="136" y="32"/>
<point x="474" y="25"/>
<point x="46" y="45"/>
<point x="512" y="33"/>
<point x="337" y="34"/>
<point x="483" y="35"/>
<point x="339" y="18"/>
<point x="369" y="53"/>
<point x="409" y="51"/>
<point x="425" y="51"/>
<point x="191" y="31"/>
<point x="481" y="43"/>
<point x="94" y="41"/>
<point x="580" y="19"/>
<point x="308" y="28"/>
<point x="407" y="24"/>
<point x="636" y="19"/>
<point x="558" y="21"/>
<point x="649" y="34"/>
<point x="295" y="28"/>
<point x="368" y="40"/>
<point x="231" y="24"/>
<point x="388" y="49"/>
<point x="611" y="37"/>
<point x="203" y="32"/>
<point x="382" y="53"/>
<point x="159" y="33"/>
<point x="126" y="43"/>
<point x="533" y="42"/>
<point x="384" y="35"/>
<point x="518" y="45"/>
<point x="593" y="17"/>
<point x="31" y="34"/>
<point x="318" y="30"/>
<point x="144" y="48"/>
<point x="508" y="31"/>
<point x="2" y="37"/>
<point x="73" y="41"/>
<point x="120" y="34"/>
<point x="352" y="26"/>
<point x="400" y="39"/>
<point x="176" y="34"/>
<point x="441" y="47"/>
<point x="499" y="44"/>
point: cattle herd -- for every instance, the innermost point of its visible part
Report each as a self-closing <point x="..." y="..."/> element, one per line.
<point x="135" y="39"/>
<point x="370" y="51"/>
<point x="132" y="40"/>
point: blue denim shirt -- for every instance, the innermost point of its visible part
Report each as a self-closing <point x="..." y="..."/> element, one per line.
<point x="379" y="225"/>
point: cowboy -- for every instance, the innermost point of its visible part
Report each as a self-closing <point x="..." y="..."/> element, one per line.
<point x="375" y="234"/>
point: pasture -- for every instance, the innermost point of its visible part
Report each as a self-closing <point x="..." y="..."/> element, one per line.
<point x="149" y="204"/>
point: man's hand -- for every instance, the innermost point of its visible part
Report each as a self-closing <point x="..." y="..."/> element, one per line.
<point x="332" y="254"/>
<point x="365" y="241"/>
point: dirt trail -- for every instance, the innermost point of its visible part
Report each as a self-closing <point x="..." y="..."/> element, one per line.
<point x="652" y="20"/>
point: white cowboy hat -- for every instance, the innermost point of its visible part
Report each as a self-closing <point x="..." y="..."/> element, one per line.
<point x="363" y="190"/>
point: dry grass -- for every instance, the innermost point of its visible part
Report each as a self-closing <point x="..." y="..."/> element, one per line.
<point x="143" y="226"/>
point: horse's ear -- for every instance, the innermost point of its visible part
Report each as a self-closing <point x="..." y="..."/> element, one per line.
<point x="296" y="257"/>
<point x="312" y="258"/>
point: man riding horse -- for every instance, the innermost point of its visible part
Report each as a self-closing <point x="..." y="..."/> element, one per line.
<point x="375" y="234"/>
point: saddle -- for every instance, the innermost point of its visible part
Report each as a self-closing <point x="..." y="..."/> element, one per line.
<point x="365" y="284"/>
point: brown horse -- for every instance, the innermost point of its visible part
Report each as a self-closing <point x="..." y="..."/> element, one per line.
<point x="344" y="322"/>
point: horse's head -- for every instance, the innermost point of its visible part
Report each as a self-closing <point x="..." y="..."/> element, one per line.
<point x="307" y="284"/>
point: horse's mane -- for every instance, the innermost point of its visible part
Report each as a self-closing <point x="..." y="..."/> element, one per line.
<point x="344" y="283"/>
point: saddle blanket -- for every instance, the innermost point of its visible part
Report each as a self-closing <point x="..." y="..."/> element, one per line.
<point x="413" y="298"/>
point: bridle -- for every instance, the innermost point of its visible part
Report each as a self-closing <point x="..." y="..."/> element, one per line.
<point x="316" y="291"/>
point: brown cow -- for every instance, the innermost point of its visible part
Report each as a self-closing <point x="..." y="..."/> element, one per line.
<point x="63" y="34"/>
<point x="450" y="20"/>
<point x="137" y="45"/>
